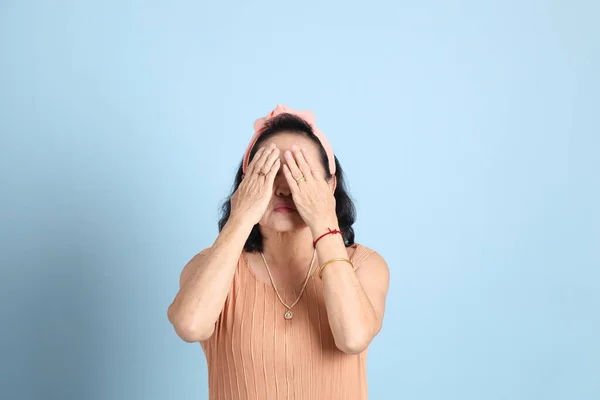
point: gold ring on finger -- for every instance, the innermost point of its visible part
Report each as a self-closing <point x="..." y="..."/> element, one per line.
<point x="302" y="179"/>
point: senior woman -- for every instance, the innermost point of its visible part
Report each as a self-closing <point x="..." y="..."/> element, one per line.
<point x="284" y="303"/>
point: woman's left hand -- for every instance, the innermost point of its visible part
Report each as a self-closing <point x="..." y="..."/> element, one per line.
<point x="313" y="196"/>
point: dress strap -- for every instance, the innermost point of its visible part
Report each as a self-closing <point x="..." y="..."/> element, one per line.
<point x="360" y="254"/>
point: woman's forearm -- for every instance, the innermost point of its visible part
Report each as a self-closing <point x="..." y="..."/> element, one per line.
<point x="201" y="297"/>
<point x="351" y="316"/>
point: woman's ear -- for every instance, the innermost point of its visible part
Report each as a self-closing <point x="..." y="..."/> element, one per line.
<point x="333" y="183"/>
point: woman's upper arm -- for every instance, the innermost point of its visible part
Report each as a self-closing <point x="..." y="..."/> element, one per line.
<point x="192" y="265"/>
<point x="374" y="276"/>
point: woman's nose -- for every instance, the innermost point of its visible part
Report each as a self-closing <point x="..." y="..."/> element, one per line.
<point x="283" y="191"/>
<point x="281" y="187"/>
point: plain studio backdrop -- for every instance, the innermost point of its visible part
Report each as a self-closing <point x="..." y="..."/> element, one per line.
<point x="469" y="131"/>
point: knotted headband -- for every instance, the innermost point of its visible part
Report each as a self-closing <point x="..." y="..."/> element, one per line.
<point x="308" y="116"/>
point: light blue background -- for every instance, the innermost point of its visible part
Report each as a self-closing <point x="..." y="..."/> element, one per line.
<point x="468" y="130"/>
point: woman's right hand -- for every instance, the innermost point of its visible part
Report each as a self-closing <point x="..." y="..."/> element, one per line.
<point x="253" y="195"/>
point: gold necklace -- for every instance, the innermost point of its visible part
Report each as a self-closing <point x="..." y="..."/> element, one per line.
<point x="288" y="314"/>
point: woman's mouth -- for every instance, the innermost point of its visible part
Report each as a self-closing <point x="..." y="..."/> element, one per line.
<point x="284" y="210"/>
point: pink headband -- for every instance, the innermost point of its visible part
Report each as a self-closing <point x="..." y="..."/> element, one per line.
<point x="307" y="116"/>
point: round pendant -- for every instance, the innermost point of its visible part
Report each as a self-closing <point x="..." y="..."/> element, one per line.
<point x="288" y="314"/>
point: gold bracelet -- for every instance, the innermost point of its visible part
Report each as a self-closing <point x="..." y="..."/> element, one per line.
<point x="326" y="263"/>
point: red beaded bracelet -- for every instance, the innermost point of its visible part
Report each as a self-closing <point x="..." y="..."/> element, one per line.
<point x="329" y="232"/>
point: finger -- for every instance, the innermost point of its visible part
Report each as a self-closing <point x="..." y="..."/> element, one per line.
<point x="293" y="167"/>
<point x="263" y="158"/>
<point x="270" y="161"/>
<point x="270" y="177"/>
<point x="299" y="155"/>
<point x="252" y="163"/>
<point x="292" y="183"/>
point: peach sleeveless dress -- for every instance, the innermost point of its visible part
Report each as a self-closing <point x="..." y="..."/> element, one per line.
<point x="255" y="353"/>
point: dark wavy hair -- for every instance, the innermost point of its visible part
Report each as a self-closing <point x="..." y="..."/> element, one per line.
<point x="345" y="209"/>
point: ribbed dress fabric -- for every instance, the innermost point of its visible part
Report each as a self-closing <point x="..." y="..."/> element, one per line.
<point x="254" y="353"/>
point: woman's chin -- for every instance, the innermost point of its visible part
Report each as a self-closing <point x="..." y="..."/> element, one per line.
<point x="280" y="222"/>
